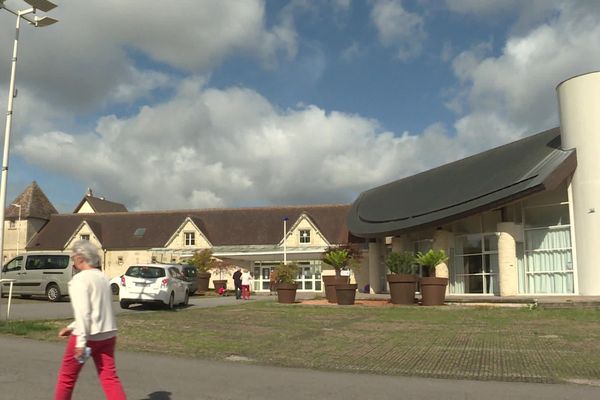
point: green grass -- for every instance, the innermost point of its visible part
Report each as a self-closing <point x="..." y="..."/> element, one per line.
<point x="25" y="328"/>
<point x="447" y="342"/>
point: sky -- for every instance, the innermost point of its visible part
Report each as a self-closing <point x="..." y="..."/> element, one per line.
<point x="242" y="103"/>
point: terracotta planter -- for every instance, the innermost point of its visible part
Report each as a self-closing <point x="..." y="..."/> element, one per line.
<point x="203" y="279"/>
<point x="330" y="281"/>
<point x="345" y="293"/>
<point x="286" y="292"/>
<point x="220" y="284"/>
<point x="433" y="291"/>
<point x="402" y="288"/>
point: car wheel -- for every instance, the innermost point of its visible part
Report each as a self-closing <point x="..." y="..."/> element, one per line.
<point x="171" y="304"/>
<point x="186" y="299"/>
<point x="124" y="304"/>
<point x="114" y="288"/>
<point x="53" y="292"/>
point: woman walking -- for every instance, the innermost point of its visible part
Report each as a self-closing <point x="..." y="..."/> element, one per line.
<point x="246" y="284"/>
<point x="94" y="329"/>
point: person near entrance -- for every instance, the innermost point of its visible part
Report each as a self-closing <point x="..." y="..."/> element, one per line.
<point x="237" y="283"/>
<point x="94" y="331"/>
<point x="246" y="284"/>
<point x="272" y="282"/>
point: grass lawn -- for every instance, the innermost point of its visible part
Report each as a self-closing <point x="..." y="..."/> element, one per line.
<point x="446" y="342"/>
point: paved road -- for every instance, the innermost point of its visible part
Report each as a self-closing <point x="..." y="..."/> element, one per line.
<point x="28" y="371"/>
<point x="37" y="309"/>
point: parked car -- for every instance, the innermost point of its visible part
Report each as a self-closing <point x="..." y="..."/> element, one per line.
<point x="190" y="275"/>
<point x="153" y="283"/>
<point x="115" y="284"/>
<point x="39" y="273"/>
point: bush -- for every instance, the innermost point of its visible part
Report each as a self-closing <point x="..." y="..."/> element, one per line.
<point x="286" y="273"/>
<point x="401" y="263"/>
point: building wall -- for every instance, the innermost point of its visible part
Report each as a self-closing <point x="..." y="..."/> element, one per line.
<point x="178" y="241"/>
<point x="85" y="208"/>
<point x="316" y="239"/>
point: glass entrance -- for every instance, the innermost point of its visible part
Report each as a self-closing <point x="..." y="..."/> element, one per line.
<point x="309" y="275"/>
<point x="475" y="264"/>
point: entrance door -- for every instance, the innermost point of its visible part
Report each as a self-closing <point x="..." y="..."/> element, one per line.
<point x="475" y="267"/>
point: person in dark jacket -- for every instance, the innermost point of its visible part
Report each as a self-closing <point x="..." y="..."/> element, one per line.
<point x="237" y="282"/>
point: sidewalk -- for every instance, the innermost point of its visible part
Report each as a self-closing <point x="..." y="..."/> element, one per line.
<point x="28" y="371"/>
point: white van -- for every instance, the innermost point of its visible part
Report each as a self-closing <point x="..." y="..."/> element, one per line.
<point x="39" y="273"/>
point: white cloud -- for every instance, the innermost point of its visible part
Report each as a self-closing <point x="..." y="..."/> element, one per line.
<point x="513" y="94"/>
<point x="86" y="58"/>
<point x="398" y="28"/>
<point x="209" y="147"/>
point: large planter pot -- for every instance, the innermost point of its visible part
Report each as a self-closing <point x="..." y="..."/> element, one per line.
<point x="203" y="279"/>
<point x="220" y="284"/>
<point x="330" y="281"/>
<point x="402" y="288"/>
<point x="286" y="292"/>
<point x="433" y="291"/>
<point x="345" y="293"/>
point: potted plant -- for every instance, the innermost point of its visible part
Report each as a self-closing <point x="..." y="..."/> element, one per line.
<point x="222" y="268"/>
<point x="402" y="278"/>
<point x="286" y="285"/>
<point x="337" y="288"/>
<point x="433" y="289"/>
<point x="202" y="260"/>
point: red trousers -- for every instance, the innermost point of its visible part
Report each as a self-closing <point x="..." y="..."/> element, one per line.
<point x="103" y="352"/>
<point x="246" y="292"/>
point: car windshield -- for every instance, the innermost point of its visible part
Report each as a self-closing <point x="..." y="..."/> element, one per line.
<point x="145" y="272"/>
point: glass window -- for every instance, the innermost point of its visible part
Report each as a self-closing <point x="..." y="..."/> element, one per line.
<point x="14" y="264"/>
<point x="47" y="262"/>
<point x="190" y="239"/>
<point x="145" y="272"/>
<point x="84" y="237"/>
<point x="304" y="235"/>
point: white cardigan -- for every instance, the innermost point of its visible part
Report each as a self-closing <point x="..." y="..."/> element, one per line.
<point x="91" y="299"/>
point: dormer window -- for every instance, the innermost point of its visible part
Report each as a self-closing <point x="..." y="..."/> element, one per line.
<point x="304" y="235"/>
<point x="190" y="238"/>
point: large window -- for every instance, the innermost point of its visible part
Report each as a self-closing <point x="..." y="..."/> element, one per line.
<point x="548" y="266"/>
<point x="190" y="238"/>
<point x="475" y="264"/>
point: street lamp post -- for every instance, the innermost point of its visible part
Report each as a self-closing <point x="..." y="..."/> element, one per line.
<point x="43" y="5"/>
<point x="18" y="228"/>
<point x="285" y="220"/>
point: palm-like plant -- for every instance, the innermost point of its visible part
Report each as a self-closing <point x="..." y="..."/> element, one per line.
<point x="430" y="259"/>
<point x="342" y="256"/>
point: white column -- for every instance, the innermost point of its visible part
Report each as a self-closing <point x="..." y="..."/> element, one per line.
<point x="375" y="266"/>
<point x="441" y="241"/>
<point x="579" y="105"/>
<point x="508" y="277"/>
<point x="401" y="243"/>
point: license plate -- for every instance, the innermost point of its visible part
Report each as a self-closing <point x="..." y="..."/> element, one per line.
<point x="140" y="284"/>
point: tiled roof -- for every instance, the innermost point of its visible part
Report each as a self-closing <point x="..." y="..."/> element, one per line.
<point x="222" y="227"/>
<point x="33" y="202"/>
<point x="465" y="187"/>
<point x="101" y="205"/>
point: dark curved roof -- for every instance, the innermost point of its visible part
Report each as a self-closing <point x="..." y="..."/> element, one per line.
<point x="481" y="182"/>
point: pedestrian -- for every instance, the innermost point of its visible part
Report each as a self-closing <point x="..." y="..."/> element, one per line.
<point x="246" y="283"/>
<point x="272" y="281"/>
<point x="237" y="283"/>
<point x="94" y="328"/>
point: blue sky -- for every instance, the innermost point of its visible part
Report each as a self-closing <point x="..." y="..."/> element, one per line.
<point x="256" y="103"/>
